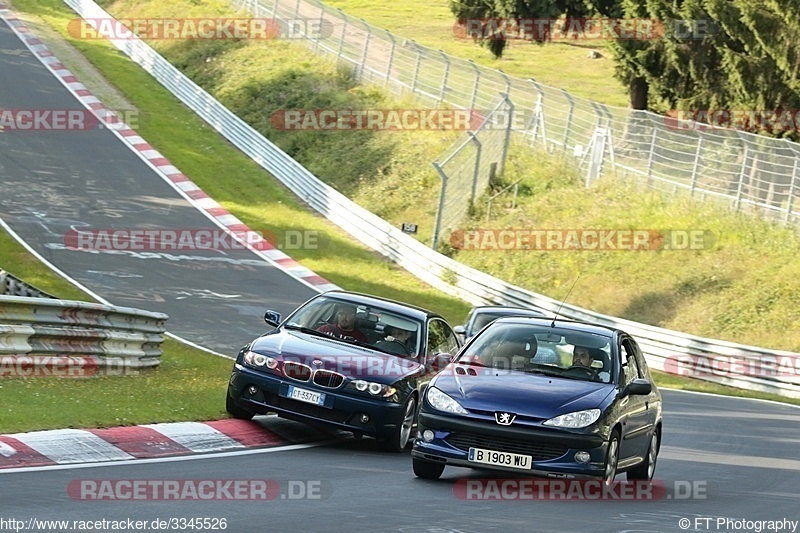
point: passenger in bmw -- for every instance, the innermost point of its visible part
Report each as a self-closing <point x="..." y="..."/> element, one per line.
<point x="396" y="341"/>
<point x="345" y="324"/>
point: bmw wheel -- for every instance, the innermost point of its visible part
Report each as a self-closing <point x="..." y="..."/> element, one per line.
<point x="235" y="411"/>
<point x="398" y="439"/>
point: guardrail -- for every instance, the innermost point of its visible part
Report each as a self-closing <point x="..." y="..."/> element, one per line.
<point x="13" y="286"/>
<point x="45" y="336"/>
<point x="439" y="271"/>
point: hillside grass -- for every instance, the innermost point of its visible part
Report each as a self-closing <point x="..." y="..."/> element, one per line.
<point x="394" y="179"/>
<point x="558" y="64"/>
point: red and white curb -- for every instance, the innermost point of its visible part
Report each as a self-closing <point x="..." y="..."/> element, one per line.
<point x="75" y="446"/>
<point x="188" y="189"/>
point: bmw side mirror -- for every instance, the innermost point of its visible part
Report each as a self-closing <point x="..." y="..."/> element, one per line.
<point x="460" y="330"/>
<point x="638" y="387"/>
<point x="440" y="360"/>
<point x="273" y="318"/>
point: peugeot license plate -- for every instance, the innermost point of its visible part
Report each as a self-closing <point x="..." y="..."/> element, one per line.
<point x="491" y="457"/>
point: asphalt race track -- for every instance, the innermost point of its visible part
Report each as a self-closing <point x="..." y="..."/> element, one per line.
<point x="721" y="457"/>
<point x="57" y="181"/>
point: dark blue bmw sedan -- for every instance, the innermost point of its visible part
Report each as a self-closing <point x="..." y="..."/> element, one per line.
<point x="350" y="361"/>
<point x="547" y="397"/>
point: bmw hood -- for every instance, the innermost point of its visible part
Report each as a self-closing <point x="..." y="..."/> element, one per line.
<point x="529" y="395"/>
<point x="357" y="362"/>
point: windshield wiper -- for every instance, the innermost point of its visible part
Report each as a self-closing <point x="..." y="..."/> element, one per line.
<point x="309" y="331"/>
<point x="314" y="332"/>
<point x="543" y="372"/>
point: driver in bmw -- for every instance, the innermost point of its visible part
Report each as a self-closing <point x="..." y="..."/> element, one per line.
<point x="345" y="324"/>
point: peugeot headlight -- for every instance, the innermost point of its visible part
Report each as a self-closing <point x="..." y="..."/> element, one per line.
<point x="578" y="419"/>
<point x="375" y="389"/>
<point x="260" y="360"/>
<point x="443" y="402"/>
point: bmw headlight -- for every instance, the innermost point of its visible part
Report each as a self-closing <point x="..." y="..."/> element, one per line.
<point x="375" y="389"/>
<point x="578" y="419"/>
<point x="260" y="360"/>
<point x="443" y="402"/>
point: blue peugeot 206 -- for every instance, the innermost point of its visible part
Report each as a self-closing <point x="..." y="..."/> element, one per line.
<point x="547" y="397"/>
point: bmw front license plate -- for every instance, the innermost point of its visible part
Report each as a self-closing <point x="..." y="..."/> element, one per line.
<point x="303" y="395"/>
<point x="491" y="457"/>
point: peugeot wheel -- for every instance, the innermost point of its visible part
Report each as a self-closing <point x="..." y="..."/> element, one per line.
<point x="427" y="469"/>
<point x="612" y="457"/>
<point x="647" y="469"/>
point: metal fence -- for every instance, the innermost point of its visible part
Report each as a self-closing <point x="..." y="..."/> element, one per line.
<point x="745" y="171"/>
<point x="468" y="166"/>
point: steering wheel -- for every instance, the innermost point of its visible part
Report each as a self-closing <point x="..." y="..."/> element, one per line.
<point x="588" y="371"/>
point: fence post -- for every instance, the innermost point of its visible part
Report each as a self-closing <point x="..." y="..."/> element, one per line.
<point x="296" y="10"/>
<point x="416" y="69"/>
<point x="275" y="9"/>
<point x="507" y="140"/>
<point x="477" y="168"/>
<point x="507" y="80"/>
<point x="321" y="21"/>
<point x="696" y="163"/>
<point x="792" y="188"/>
<point x="571" y="111"/>
<point x="651" y="155"/>
<point x="437" y="224"/>
<point x="391" y="59"/>
<point x="444" y="76"/>
<point x="364" y="50"/>
<point x="341" y="39"/>
<point x="475" y="86"/>
<point x="740" y="186"/>
<point x="538" y="115"/>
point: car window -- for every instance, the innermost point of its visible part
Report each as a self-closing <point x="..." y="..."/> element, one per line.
<point x="441" y="338"/>
<point x="373" y="322"/>
<point x="481" y="320"/>
<point x="541" y="349"/>
<point x="630" y="370"/>
<point x="641" y="362"/>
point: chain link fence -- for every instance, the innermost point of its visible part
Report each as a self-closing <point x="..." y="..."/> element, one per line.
<point x="469" y="165"/>
<point x="744" y="171"/>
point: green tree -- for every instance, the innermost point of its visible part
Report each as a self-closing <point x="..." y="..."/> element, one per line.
<point x="714" y="54"/>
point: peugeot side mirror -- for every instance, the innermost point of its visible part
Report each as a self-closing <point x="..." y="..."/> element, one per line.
<point x="273" y="318"/>
<point x="637" y="387"/>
